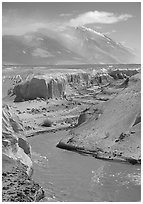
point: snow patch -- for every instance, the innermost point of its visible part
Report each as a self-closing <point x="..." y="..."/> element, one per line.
<point x="93" y="31"/>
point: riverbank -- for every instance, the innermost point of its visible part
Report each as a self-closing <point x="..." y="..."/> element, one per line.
<point x="17" y="167"/>
<point x="116" y="135"/>
<point x="67" y="176"/>
<point x="17" y="185"/>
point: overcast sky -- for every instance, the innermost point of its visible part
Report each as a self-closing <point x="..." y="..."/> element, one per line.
<point x="121" y="21"/>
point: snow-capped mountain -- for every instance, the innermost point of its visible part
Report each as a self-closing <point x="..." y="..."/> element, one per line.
<point x="70" y="46"/>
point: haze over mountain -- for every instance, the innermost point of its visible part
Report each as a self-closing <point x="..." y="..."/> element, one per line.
<point x="73" y="45"/>
<point x="71" y="32"/>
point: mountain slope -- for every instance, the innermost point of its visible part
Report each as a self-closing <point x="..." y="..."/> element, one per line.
<point x="34" y="48"/>
<point x="71" y="46"/>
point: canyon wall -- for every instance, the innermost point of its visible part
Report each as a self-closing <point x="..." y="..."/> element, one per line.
<point x="53" y="86"/>
<point x="14" y="144"/>
<point x="17" y="184"/>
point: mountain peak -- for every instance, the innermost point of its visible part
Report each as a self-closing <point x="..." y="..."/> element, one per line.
<point x="84" y="28"/>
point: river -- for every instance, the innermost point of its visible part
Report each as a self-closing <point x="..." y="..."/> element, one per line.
<point x="71" y="177"/>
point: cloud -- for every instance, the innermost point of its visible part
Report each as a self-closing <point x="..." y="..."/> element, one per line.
<point x="102" y="17"/>
<point x="23" y="26"/>
<point x="14" y="23"/>
<point x="65" y="14"/>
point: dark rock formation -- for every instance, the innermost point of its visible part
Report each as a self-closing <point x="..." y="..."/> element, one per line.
<point x="121" y="74"/>
<point x="82" y="118"/>
<point x="24" y="145"/>
<point x="47" y="123"/>
<point x="39" y="88"/>
<point x="31" y="90"/>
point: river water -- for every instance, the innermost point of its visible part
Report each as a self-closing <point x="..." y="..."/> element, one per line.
<point x="71" y="177"/>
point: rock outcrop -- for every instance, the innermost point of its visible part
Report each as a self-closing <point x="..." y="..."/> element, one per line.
<point x="17" y="186"/>
<point x="15" y="146"/>
<point x="122" y="73"/>
<point x="30" y="90"/>
<point x="56" y="88"/>
<point x="39" y="87"/>
<point x="16" y="156"/>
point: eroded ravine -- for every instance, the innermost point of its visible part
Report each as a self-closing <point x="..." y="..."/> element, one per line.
<point x="103" y="105"/>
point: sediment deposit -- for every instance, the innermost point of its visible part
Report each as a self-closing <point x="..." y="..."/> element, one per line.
<point x="117" y="132"/>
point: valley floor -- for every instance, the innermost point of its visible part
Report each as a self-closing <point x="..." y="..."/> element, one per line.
<point x="107" y="111"/>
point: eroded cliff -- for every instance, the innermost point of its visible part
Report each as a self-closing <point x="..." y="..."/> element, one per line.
<point x="57" y="86"/>
<point x="16" y="160"/>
